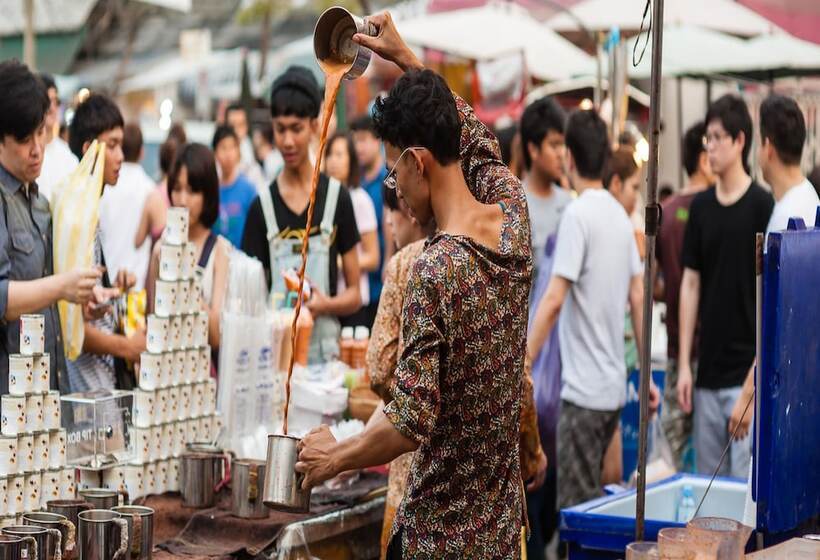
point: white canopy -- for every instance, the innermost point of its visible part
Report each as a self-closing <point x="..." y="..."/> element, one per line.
<point x="781" y="51"/>
<point x="494" y="31"/>
<point x="721" y="15"/>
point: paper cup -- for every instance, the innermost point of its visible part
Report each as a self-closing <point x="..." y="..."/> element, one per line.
<point x="8" y="455"/>
<point x="176" y="226"/>
<point x="143" y="446"/>
<point x="206" y="427"/>
<point x="195" y="296"/>
<point x="185" y="375"/>
<point x="188" y="334"/>
<point x="157" y="446"/>
<point x="173" y="475"/>
<point x="165" y="298"/>
<point x="50" y="490"/>
<point x="201" y="329"/>
<point x="21" y="374"/>
<point x="25" y="452"/>
<point x="68" y="484"/>
<point x="4" y="493"/>
<point x="175" y="333"/>
<point x="34" y="413"/>
<point x="204" y="368"/>
<point x="173" y="404"/>
<point x="15" y="491"/>
<point x="32" y="334"/>
<point x="51" y="410"/>
<point x="167" y="446"/>
<point x="188" y="261"/>
<point x="192" y="430"/>
<point x="41" y="373"/>
<point x="180" y="435"/>
<point x="143" y="408"/>
<point x="161" y="413"/>
<point x="156" y="334"/>
<point x="169" y="372"/>
<point x="88" y="479"/>
<point x="183" y="296"/>
<point x="31" y="492"/>
<point x="133" y="480"/>
<point x="161" y="483"/>
<point x="184" y="402"/>
<point x="197" y="400"/>
<point x="57" y="448"/>
<point x="149" y="478"/>
<point x="170" y="262"/>
<point x="192" y="367"/>
<point x="12" y="415"/>
<point x="149" y="371"/>
<point x="209" y="406"/>
<point x="41" y="449"/>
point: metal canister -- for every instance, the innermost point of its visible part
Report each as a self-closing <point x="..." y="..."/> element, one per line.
<point x="247" y="482"/>
<point x="201" y="478"/>
<point x="70" y="509"/>
<point x="140" y="530"/>
<point x="41" y="537"/>
<point x="283" y="485"/>
<point x="13" y="547"/>
<point x="103" y="535"/>
<point x="103" y="498"/>
<point x="333" y="42"/>
<point x="56" y="521"/>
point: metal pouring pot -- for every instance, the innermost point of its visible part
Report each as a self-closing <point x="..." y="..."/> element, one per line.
<point x="333" y="42"/>
<point x="41" y="537"/>
<point x="140" y="530"/>
<point x="13" y="547"/>
<point x="54" y="521"/>
<point x="103" y="535"/>
<point x="103" y="498"/>
<point x="247" y="481"/>
<point x="202" y="476"/>
<point x="283" y="485"/>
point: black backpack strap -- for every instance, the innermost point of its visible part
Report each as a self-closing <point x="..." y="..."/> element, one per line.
<point x="207" y="249"/>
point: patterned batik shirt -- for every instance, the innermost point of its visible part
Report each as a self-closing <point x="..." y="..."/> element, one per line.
<point x="459" y="378"/>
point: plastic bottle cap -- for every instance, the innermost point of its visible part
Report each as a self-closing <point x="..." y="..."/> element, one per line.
<point x="347" y="332"/>
<point x="362" y="333"/>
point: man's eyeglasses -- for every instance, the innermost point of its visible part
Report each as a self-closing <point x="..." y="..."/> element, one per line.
<point x="390" y="181"/>
<point x="714" y="138"/>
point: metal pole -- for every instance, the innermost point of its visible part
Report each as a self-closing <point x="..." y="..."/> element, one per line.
<point x="652" y="223"/>
<point x="599" y="87"/>
<point x="29" y="52"/>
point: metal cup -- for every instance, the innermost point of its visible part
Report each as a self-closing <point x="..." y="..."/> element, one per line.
<point x="56" y="521"/>
<point x="140" y="530"/>
<point x="103" y="498"/>
<point x="103" y="535"/>
<point x="333" y="42"/>
<point x="247" y="479"/>
<point x="201" y="477"/>
<point x="70" y="509"/>
<point x="283" y="485"/>
<point x="42" y="537"/>
<point x="14" y="547"/>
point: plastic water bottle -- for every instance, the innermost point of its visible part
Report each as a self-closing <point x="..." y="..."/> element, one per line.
<point x="686" y="504"/>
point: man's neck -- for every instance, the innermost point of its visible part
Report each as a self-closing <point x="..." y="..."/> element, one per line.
<point x="454" y="206"/>
<point x="785" y="179"/>
<point x="230" y="178"/>
<point x="539" y="184"/>
<point x="298" y="177"/>
<point x="372" y="171"/>
<point x="582" y="184"/>
<point x="733" y="183"/>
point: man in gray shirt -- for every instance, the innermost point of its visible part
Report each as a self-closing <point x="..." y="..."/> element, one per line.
<point x="542" y="141"/>
<point x="27" y="284"/>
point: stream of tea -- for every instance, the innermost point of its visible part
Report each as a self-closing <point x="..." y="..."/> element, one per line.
<point x="334" y="73"/>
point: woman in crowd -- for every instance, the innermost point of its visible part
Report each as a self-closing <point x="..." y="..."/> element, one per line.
<point x="342" y="165"/>
<point x="194" y="184"/>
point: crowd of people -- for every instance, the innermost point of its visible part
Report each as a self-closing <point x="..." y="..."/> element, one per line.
<point x="424" y="232"/>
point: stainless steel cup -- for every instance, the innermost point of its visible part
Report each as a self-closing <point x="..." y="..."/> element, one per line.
<point x="70" y="509"/>
<point x="247" y="481"/>
<point x="201" y="478"/>
<point x="140" y="530"/>
<point x="103" y="535"/>
<point x="333" y="42"/>
<point x="103" y="498"/>
<point x="283" y="485"/>
<point x="13" y="547"/>
<point x="56" y="521"/>
<point x="41" y="536"/>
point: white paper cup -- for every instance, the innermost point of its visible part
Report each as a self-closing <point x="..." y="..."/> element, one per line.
<point x="183" y="296"/>
<point x="217" y="426"/>
<point x="21" y="374"/>
<point x="204" y="368"/>
<point x="170" y="262"/>
<point x="149" y="478"/>
<point x="114" y="478"/>
<point x="143" y="446"/>
<point x="143" y="408"/>
<point x="51" y="410"/>
<point x="149" y="371"/>
<point x="167" y="440"/>
<point x="15" y="491"/>
<point x="32" y="334"/>
<point x="185" y="375"/>
<point x="176" y="226"/>
<point x="206" y="427"/>
<point x="180" y="435"/>
<point x="195" y="295"/>
<point x="25" y="452"/>
<point x="88" y="479"/>
<point x="57" y="448"/>
<point x="161" y="407"/>
<point x="31" y="493"/>
<point x="188" y="334"/>
<point x="169" y="371"/>
<point x="184" y="402"/>
<point x="192" y="367"/>
<point x="41" y="379"/>
<point x="210" y="397"/>
<point x="4" y="493"/>
<point x="133" y="480"/>
<point x="156" y="442"/>
<point x="41" y="449"/>
<point x="12" y="415"/>
<point x="68" y="484"/>
<point x="175" y="333"/>
<point x="50" y="490"/>
<point x="200" y="329"/>
<point x="34" y="412"/>
<point x="197" y="400"/>
<point x="161" y="483"/>
<point x="173" y="475"/>
<point x="156" y="333"/>
<point x="8" y="455"/>
<point x="192" y="430"/>
<point x="188" y="261"/>
<point x="165" y="298"/>
<point x="173" y="404"/>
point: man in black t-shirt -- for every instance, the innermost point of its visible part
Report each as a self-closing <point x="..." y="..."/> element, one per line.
<point x="718" y="287"/>
<point x="276" y="222"/>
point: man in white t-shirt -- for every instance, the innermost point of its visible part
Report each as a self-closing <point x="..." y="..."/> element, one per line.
<point x="58" y="161"/>
<point x="597" y="270"/>
<point x="121" y="210"/>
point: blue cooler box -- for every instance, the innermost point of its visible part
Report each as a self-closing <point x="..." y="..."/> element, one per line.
<point x="602" y="528"/>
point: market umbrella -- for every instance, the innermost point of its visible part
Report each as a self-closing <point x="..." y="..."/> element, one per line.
<point x="777" y="55"/>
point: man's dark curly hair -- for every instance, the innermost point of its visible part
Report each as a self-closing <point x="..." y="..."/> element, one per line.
<point x="420" y="110"/>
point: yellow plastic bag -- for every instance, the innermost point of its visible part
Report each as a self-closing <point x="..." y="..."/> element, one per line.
<point x="75" y="213"/>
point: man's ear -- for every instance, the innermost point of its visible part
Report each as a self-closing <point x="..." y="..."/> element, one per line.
<point x="86" y="145"/>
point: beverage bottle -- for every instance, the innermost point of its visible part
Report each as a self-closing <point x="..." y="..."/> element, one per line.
<point x="346" y="345"/>
<point x="361" y="338"/>
<point x="304" y="328"/>
<point x="686" y="504"/>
